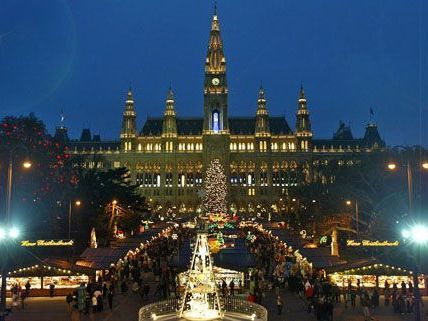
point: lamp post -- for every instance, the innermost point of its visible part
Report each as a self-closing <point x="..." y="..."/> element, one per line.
<point x="10" y="231"/>
<point x="77" y="203"/>
<point x="349" y="203"/>
<point x="7" y="235"/>
<point x="392" y="166"/>
<point x="417" y="235"/>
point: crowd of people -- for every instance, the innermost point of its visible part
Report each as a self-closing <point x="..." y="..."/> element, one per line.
<point x="134" y="273"/>
<point x="19" y="294"/>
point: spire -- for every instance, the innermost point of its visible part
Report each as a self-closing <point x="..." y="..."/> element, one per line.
<point x="261" y="94"/>
<point x="303" y="123"/>
<point x="129" y="127"/>
<point x="262" y="115"/>
<point x="215" y="62"/>
<point x="169" y="125"/>
<point x="170" y="95"/>
<point x="129" y="99"/>
<point x="169" y="110"/>
<point x="62" y="118"/>
<point x="302" y="92"/>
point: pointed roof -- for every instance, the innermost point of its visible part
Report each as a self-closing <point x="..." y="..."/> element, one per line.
<point x="129" y="105"/>
<point x="302" y="92"/>
<point x="261" y="102"/>
<point x="169" y="110"/>
<point x="130" y="97"/>
<point x="170" y="95"/>
<point x="261" y="93"/>
<point x="216" y="60"/>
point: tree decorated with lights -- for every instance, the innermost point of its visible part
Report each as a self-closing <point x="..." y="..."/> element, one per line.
<point x="215" y="188"/>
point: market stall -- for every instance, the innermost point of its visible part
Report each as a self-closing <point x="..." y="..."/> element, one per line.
<point x="41" y="276"/>
<point x="220" y="275"/>
<point x="374" y="275"/>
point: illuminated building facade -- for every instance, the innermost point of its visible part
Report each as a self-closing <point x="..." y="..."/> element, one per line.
<point x="261" y="154"/>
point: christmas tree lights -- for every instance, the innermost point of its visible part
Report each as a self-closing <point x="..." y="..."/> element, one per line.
<point x="215" y="188"/>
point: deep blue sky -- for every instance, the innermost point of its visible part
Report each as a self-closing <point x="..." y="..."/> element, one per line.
<point x="81" y="56"/>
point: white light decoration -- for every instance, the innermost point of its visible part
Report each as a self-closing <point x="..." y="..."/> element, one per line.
<point x="201" y="300"/>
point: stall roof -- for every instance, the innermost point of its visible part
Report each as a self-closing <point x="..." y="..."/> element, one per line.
<point x="321" y="257"/>
<point x="100" y="258"/>
<point x="370" y="266"/>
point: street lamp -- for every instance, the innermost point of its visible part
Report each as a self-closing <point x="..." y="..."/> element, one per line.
<point x="77" y="203"/>
<point x="7" y="235"/>
<point x="27" y="164"/>
<point x="13" y="233"/>
<point x="417" y="235"/>
<point x="349" y="203"/>
<point x="393" y="166"/>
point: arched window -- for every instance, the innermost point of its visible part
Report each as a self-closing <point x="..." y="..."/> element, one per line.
<point x="216" y="121"/>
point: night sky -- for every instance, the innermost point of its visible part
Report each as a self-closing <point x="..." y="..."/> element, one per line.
<point x="82" y="55"/>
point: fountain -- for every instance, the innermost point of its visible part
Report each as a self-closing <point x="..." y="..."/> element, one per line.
<point x="201" y="300"/>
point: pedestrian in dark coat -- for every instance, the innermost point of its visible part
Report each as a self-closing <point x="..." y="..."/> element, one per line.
<point x="110" y="299"/>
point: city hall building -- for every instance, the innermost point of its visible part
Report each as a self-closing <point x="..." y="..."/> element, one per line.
<point x="262" y="155"/>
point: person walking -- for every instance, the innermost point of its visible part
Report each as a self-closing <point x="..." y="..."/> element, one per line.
<point x="110" y="299"/>
<point x="69" y="300"/>
<point x="279" y="304"/>
<point x="23" y="297"/>
<point x="94" y="304"/>
<point x="365" y="302"/>
<point x="27" y="288"/>
<point x="232" y="288"/>
<point x="51" y="290"/>
<point x="100" y="303"/>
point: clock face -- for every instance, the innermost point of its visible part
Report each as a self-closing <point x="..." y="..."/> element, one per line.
<point x="215" y="81"/>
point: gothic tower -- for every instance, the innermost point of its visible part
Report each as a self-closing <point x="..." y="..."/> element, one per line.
<point x="303" y="124"/>
<point x="129" y="126"/>
<point x="169" y="124"/>
<point x="262" y="116"/>
<point x="216" y="136"/>
<point x="215" y="85"/>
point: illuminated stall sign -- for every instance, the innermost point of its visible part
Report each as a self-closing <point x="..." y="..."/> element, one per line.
<point x="368" y="243"/>
<point x="47" y="243"/>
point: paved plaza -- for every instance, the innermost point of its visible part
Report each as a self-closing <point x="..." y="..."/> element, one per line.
<point x="126" y="309"/>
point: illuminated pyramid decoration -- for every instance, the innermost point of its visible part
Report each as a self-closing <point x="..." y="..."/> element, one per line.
<point x="201" y="300"/>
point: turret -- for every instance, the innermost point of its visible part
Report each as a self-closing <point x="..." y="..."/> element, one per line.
<point x="262" y="116"/>
<point x="303" y="123"/>
<point x="129" y="127"/>
<point x="372" y="139"/>
<point x="169" y="126"/>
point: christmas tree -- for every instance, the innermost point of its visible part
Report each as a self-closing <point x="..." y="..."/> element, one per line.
<point x="215" y="188"/>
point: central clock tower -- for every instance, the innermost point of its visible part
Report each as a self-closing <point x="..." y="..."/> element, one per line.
<point x="215" y="85"/>
<point x="216" y="138"/>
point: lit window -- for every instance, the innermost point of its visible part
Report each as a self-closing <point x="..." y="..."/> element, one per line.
<point x="116" y="164"/>
<point x="216" y="121"/>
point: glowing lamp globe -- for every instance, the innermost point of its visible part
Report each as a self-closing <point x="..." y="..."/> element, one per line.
<point x="392" y="166"/>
